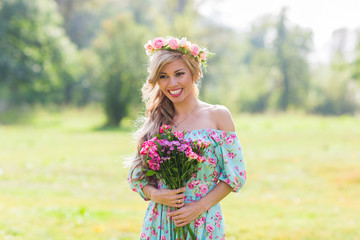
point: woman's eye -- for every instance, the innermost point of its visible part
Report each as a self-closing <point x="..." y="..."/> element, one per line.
<point x="163" y="76"/>
<point x="179" y="74"/>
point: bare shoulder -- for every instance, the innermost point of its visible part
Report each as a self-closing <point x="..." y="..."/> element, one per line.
<point x="221" y="116"/>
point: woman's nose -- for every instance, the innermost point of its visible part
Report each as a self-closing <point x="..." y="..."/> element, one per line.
<point x="172" y="80"/>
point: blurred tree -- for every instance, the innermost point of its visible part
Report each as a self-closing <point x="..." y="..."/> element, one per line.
<point x="356" y="62"/>
<point x="275" y="72"/>
<point x="335" y="91"/>
<point x="292" y="45"/>
<point x="122" y="65"/>
<point x="37" y="63"/>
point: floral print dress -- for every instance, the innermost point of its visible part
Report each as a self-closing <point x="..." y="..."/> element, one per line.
<point x="224" y="162"/>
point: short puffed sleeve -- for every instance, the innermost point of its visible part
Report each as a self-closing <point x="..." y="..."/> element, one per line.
<point x="231" y="161"/>
<point x="137" y="185"/>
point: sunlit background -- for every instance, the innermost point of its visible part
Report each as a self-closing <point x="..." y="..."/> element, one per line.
<point x="70" y="79"/>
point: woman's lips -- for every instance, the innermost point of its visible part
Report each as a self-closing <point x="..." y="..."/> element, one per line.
<point x="175" y="93"/>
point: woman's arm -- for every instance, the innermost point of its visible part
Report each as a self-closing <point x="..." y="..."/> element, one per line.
<point x="223" y="120"/>
<point x="171" y="198"/>
<point x="191" y="211"/>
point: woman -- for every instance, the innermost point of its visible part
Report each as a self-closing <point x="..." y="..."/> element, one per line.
<point x="170" y="93"/>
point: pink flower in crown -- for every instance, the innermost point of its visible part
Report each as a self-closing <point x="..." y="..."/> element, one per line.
<point x="158" y="43"/>
<point x="173" y="44"/>
<point x="163" y="128"/>
<point x="149" y="47"/>
<point x="203" y="56"/>
<point x="194" y="49"/>
<point x="185" y="43"/>
<point x="179" y="134"/>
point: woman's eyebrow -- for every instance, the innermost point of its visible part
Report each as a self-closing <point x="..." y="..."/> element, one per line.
<point x="181" y="69"/>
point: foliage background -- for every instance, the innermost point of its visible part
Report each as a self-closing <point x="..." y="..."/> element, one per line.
<point x="74" y="53"/>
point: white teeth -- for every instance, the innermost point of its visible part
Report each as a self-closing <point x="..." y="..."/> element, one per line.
<point x="175" y="92"/>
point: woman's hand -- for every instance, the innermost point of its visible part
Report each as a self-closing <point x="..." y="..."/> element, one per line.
<point x="169" y="197"/>
<point x="186" y="214"/>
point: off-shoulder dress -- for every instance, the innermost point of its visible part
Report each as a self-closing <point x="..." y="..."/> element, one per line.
<point x="224" y="162"/>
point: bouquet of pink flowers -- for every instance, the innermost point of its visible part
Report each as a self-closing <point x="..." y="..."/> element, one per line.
<point x="174" y="160"/>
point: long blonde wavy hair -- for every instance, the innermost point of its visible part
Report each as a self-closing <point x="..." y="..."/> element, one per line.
<point x="159" y="109"/>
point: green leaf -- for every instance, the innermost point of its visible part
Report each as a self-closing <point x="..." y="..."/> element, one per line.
<point x="151" y="173"/>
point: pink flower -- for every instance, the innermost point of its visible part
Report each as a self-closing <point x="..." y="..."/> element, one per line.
<point x="204" y="188"/>
<point x="229" y="140"/>
<point x="173" y="44"/>
<point x="190" y="185"/>
<point x="149" y="47"/>
<point x="163" y="238"/>
<point x="158" y="42"/>
<point x="179" y="134"/>
<point x="201" y="159"/>
<point x="227" y="181"/>
<point x="231" y="155"/>
<point x="198" y="223"/>
<point x="184" y="43"/>
<point x="211" y="161"/>
<point x="191" y="155"/>
<point x="194" y="49"/>
<point x="243" y="174"/>
<point x="163" y="128"/>
<point x="223" y="134"/>
<point x="196" y="182"/>
<point x="218" y="215"/>
<point x="143" y="235"/>
<point x="210" y="228"/>
<point x="203" y="56"/>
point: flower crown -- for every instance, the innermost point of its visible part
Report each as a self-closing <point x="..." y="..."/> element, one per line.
<point x="181" y="45"/>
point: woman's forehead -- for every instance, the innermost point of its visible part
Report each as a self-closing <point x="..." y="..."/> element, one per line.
<point x="175" y="66"/>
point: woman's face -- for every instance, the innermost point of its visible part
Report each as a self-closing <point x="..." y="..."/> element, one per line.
<point x="176" y="81"/>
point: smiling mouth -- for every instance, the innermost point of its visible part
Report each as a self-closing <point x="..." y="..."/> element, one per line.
<point x="175" y="93"/>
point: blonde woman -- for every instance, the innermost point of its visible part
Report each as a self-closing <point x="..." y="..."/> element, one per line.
<point x="170" y="93"/>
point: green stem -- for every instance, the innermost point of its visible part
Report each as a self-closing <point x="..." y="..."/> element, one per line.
<point x="191" y="232"/>
<point x="183" y="233"/>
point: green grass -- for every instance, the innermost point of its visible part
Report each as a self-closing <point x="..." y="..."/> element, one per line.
<point x="62" y="179"/>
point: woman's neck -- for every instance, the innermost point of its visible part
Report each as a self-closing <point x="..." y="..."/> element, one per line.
<point x="186" y="107"/>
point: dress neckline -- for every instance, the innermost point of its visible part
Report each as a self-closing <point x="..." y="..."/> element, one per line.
<point x="207" y="129"/>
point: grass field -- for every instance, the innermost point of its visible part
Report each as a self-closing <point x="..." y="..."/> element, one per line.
<point x="62" y="179"/>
